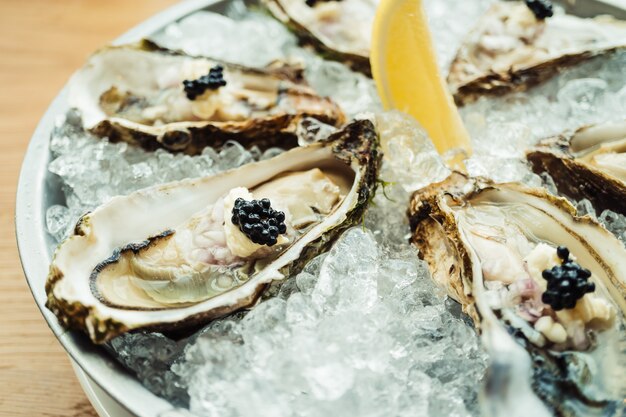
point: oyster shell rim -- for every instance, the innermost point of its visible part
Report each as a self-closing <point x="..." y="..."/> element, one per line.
<point x="573" y="177"/>
<point x="357" y="146"/>
<point x="520" y="79"/>
<point x="355" y="61"/>
<point x="191" y="137"/>
<point x="423" y="207"/>
<point x="424" y="210"/>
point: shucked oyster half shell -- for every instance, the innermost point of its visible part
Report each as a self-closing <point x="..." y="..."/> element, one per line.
<point x="511" y="50"/>
<point x="588" y="163"/>
<point x="172" y="256"/>
<point x="487" y="244"/>
<point x="339" y="30"/>
<point x="134" y="93"/>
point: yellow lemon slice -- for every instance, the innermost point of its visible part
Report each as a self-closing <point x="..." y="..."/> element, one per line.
<point x="404" y="67"/>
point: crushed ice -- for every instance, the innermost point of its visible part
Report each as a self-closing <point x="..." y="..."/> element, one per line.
<point x="503" y="128"/>
<point x="366" y="335"/>
<point x="361" y="331"/>
<point x="261" y="40"/>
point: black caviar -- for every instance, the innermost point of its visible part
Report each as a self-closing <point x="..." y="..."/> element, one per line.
<point x="540" y="8"/>
<point x="212" y="81"/>
<point x="567" y="283"/>
<point x="259" y="221"/>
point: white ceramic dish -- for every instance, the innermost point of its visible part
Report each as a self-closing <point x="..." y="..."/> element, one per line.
<point x="102" y="402"/>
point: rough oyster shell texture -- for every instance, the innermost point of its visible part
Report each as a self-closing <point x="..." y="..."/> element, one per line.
<point x="586" y="381"/>
<point x="134" y="93"/>
<point x="510" y="50"/>
<point x="338" y="30"/>
<point x="588" y="163"/>
<point x="85" y="285"/>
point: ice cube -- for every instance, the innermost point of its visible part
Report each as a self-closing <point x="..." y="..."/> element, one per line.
<point x="615" y="223"/>
<point x="57" y="221"/>
<point x="584" y="98"/>
<point x="329" y="381"/>
<point x="259" y="39"/>
<point x="410" y="157"/>
<point x="584" y="207"/>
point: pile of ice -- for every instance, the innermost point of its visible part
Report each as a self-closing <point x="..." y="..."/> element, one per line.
<point x="361" y="331"/>
<point x="450" y="21"/>
<point x="503" y="128"/>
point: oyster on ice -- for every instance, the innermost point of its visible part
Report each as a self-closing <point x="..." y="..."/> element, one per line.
<point x="546" y="288"/>
<point x="588" y="163"/>
<point x="187" y="252"/>
<point x="511" y="49"/>
<point x="338" y="29"/>
<point x="157" y="98"/>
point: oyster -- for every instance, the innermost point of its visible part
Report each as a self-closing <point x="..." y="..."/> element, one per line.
<point x="187" y="252"/>
<point x="145" y="95"/>
<point x="511" y="50"/>
<point x="338" y="29"/>
<point x="490" y="246"/>
<point x="588" y="163"/>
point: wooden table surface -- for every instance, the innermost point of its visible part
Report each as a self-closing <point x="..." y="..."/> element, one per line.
<point x="41" y="43"/>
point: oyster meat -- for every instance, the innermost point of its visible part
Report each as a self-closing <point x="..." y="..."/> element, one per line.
<point x="338" y="29"/>
<point x="184" y="253"/>
<point x="157" y="98"/>
<point x="511" y="49"/>
<point x="504" y="252"/>
<point x="588" y="163"/>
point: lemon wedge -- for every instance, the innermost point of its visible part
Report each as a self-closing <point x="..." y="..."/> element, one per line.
<point x="404" y="67"/>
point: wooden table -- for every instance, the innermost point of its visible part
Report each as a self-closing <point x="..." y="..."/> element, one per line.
<point x="41" y="43"/>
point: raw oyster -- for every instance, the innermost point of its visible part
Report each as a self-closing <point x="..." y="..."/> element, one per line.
<point x="490" y="245"/>
<point x="182" y="253"/>
<point x="511" y="50"/>
<point x="338" y="29"/>
<point x="588" y="163"/>
<point x="135" y="93"/>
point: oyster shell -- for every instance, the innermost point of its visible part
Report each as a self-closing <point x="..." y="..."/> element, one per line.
<point x="487" y="244"/>
<point x="171" y="256"/>
<point x="134" y="93"/>
<point x="588" y="163"/>
<point x="511" y="50"/>
<point x="339" y="30"/>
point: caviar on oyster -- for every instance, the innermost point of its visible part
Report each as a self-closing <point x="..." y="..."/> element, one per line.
<point x="512" y="48"/>
<point x="155" y="98"/>
<point x="499" y="250"/>
<point x="567" y="282"/>
<point x="339" y="30"/>
<point x="171" y="255"/>
<point x="514" y="261"/>
<point x="541" y="8"/>
<point x="587" y="163"/>
<point x="259" y="221"/>
<point x="211" y="81"/>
